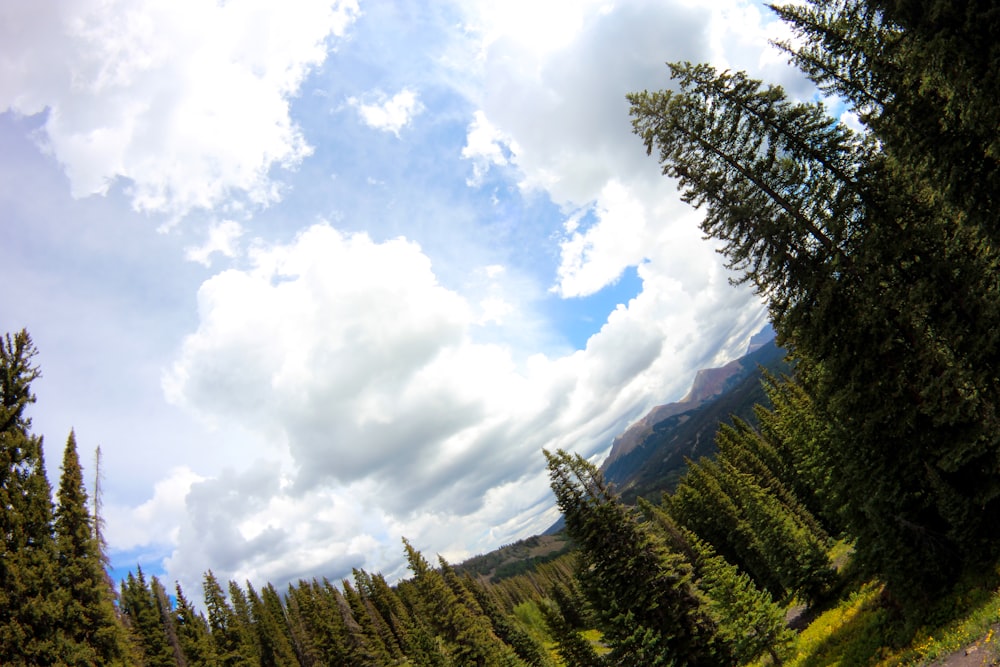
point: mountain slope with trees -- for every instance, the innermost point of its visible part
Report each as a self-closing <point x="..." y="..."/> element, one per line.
<point x="657" y="462"/>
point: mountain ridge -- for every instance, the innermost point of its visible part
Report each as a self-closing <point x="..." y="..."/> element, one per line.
<point x="655" y="464"/>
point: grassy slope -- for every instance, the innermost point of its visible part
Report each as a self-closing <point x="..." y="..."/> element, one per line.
<point x="861" y="631"/>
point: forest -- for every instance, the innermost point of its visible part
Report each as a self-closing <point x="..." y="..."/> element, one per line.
<point x="852" y="520"/>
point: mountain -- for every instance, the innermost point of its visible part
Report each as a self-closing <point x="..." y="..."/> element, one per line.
<point x="517" y="558"/>
<point x="708" y="384"/>
<point x="650" y="456"/>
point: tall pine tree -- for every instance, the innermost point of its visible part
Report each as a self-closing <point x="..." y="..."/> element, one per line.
<point x="29" y="610"/>
<point x="884" y="289"/>
<point x="90" y="629"/>
<point x="642" y="593"/>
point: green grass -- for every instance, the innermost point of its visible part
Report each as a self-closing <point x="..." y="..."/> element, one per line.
<point x="860" y="631"/>
<point x="852" y="633"/>
<point x="596" y="640"/>
<point x="977" y="619"/>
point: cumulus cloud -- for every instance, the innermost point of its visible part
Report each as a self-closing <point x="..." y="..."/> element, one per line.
<point x="155" y="521"/>
<point x="562" y="103"/>
<point x="596" y="257"/>
<point x="392" y="404"/>
<point x="187" y="101"/>
<point x="396" y="420"/>
<point x="485" y="146"/>
<point x="223" y="238"/>
<point x="388" y="114"/>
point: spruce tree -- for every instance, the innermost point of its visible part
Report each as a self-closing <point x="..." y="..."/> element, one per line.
<point x="467" y="633"/>
<point x="924" y="76"/>
<point x="167" y="620"/>
<point x="302" y="640"/>
<point x="29" y="608"/>
<point x="273" y="635"/>
<point x="222" y="621"/>
<point x="377" y="592"/>
<point x="704" y="505"/>
<point x="249" y="646"/>
<point x="506" y="626"/>
<point x="90" y="629"/>
<point x="193" y="633"/>
<point x="143" y="615"/>
<point x="747" y="616"/>
<point x="325" y="637"/>
<point x="573" y="648"/>
<point x="881" y="285"/>
<point x="641" y="592"/>
<point x="378" y="636"/>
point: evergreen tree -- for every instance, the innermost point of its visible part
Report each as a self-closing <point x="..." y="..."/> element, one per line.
<point x="326" y="641"/>
<point x="641" y="592"/>
<point x="884" y="290"/>
<point x="376" y="591"/>
<point x="795" y="439"/>
<point x="356" y="638"/>
<point x="142" y="613"/>
<point x="506" y="626"/>
<point x="193" y="634"/>
<point x="466" y="632"/>
<point x="302" y="639"/>
<point x="924" y="76"/>
<point x="166" y="613"/>
<point x="789" y="546"/>
<point x="416" y="633"/>
<point x="573" y="648"/>
<point x="29" y="609"/>
<point x="776" y="542"/>
<point x="748" y="452"/>
<point x="703" y="505"/>
<point x="747" y="616"/>
<point x="222" y="622"/>
<point x="377" y="635"/>
<point x="90" y="629"/>
<point x="249" y="647"/>
<point x="271" y="628"/>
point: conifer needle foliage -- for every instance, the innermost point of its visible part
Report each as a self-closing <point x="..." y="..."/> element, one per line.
<point x="877" y="255"/>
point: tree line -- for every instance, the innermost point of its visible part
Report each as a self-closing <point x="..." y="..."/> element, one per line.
<point x="58" y="605"/>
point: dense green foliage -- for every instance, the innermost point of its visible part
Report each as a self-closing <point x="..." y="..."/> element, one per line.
<point x="876" y="253"/>
<point x="91" y="632"/>
<point x="56" y="604"/>
<point x="641" y="592"/>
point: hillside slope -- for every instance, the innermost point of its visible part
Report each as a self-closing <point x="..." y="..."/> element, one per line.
<point x="670" y="434"/>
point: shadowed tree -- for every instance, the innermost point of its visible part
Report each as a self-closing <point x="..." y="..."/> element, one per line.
<point x="642" y="593"/>
<point x="467" y="633"/>
<point x="90" y="629"/>
<point x="884" y="290"/>
<point x="29" y="611"/>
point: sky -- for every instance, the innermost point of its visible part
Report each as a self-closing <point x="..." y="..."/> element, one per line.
<point x="318" y="275"/>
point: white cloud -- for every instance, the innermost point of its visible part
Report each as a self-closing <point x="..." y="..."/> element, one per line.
<point x="485" y="146"/>
<point x="396" y="420"/>
<point x="562" y="103"/>
<point x="597" y="256"/>
<point x="391" y="403"/>
<point x="186" y="100"/>
<point x="388" y="114"/>
<point x="223" y="238"/>
<point x="155" y="521"/>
